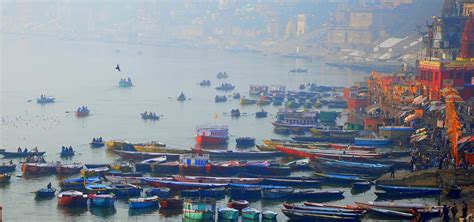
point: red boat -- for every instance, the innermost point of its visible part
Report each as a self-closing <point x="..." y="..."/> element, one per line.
<point x="347" y="207"/>
<point x="72" y="198"/>
<point x="68" y="168"/>
<point x="329" y="154"/>
<point x="238" y="204"/>
<point x="38" y="168"/>
<point x="172" y="203"/>
<point x="212" y="135"/>
<point x="350" y="147"/>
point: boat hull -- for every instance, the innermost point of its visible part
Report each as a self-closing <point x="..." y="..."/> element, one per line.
<point x="207" y="140"/>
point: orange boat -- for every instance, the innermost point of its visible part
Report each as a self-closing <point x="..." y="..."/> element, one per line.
<point x="38" y="168"/>
<point x="212" y="135"/>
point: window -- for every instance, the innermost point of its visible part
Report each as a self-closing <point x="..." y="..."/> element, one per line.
<point x="458" y="75"/>
<point x="451" y="75"/>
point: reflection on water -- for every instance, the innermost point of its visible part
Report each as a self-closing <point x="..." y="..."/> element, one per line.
<point x="103" y="212"/>
<point x="141" y="212"/>
<point x="72" y="212"/>
<point x="170" y="213"/>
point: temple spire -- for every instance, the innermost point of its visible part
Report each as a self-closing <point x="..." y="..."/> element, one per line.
<point x="467" y="39"/>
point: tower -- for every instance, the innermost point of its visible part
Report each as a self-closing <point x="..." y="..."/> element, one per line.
<point x="467" y="39"/>
<point x="300" y="25"/>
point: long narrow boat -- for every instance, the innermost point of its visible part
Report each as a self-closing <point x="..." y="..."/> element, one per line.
<point x="8" y="154"/>
<point x="158" y="148"/>
<point x="301" y="194"/>
<point x="403" y="189"/>
<point x="321" y="208"/>
<point x="102" y="200"/>
<point x="329" y="165"/>
<point x="126" y="190"/>
<point x="350" y="147"/>
<point x="348" y="207"/>
<point x="278" y="142"/>
<point x="175" y="185"/>
<point x="302" y="215"/>
<point x="144" y="202"/>
<point x="359" y="141"/>
<point x="134" y="155"/>
<point x="217" y="180"/>
<point x="68" y="168"/>
<point x="6" y="168"/>
<point x="396" y="206"/>
<point x="291" y="182"/>
<point x="325" y="139"/>
<point x="38" y="168"/>
<point x="72" y="198"/>
<point x="329" y="154"/>
<point x="235" y="155"/>
<point x="392" y="213"/>
<point x="339" y="178"/>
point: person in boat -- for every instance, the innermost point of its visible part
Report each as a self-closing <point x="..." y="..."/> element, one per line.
<point x="100" y="139"/>
<point x="93" y="140"/>
<point x="19" y="149"/>
<point x="49" y="185"/>
<point x="129" y="80"/>
<point x="25" y="150"/>
<point x="70" y="149"/>
<point x="36" y="149"/>
<point x="11" y="162"/>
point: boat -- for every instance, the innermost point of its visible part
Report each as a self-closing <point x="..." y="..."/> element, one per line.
<point x="452" y="192"/>
<point x="102" y="200"/>
<point x="236" y="96"/>
<point x="126" y="190"/>
<point x="78" y="183"/>
<point x="212" y="135"/>
<point x="181" y="97"/>
<point x="327" y="155"/>
<point x="118" y="144"/>
<point x="305" y="215"/>
<point x="323" y="208"/>
<point x="299" y="164"/>
<point x="332" y="206"/>
<point x="257" y="90"/>
<point x="172" y="203"/>
<point x="199" y="209"/>
<point x="82" y="112"/>
<point x="217" y="180"/>
<point x="220" y="99"/>
<point x="392" y="213"/>
<point x="175" y="185"/>
<point x="95" y="188"/>
<point x="144" y="202"/>
<point x="4" y="178"/>
<point x="261" y="114"/>
<point x="245" y="142"/>
<point x="7" y="167"/>
<point x="38" y="168"/>
<point x="166" y="168"/>
<point x="266" y="168"/>
<point x="246" y="192"/>
<point x="269" y="215"/>
<point x="282" y="130"/>
<point x="43" y="99"/>
<point x="397" y="206"/>
<point x="235" y="155"/>
<point x="291" y="182"/>
<point x="67" y="152"/>
<point x="158" y="147"/>
<point x="222" y="75"/>
<point x="290" y="193"/>
<point x="156" y="160"/>
<point x="213" y="192"/>
<point x="361" y="185"/>
<point x="359" y="141"/>
<point x="226" y="168"/>
<point x="72" y="198"/>
<point x="134" y="155"/>
<point x="299" y="70"/>
<point x="68" y="168"/>
<point x="161" y="192"/>
<point x="351" y="147"/>
<point x="149" y="116"/>
<point x="336" y="138"/>
<point x="408" y="189"/>
<point x="96" y="143"/>
<point x="238" y="204"/>
<point x="227" y="213"/>
<point x="91" y="172"/>
<point x="337" y="166"/>
<point x="263" y="101"/>
<point x="121" y="179"/>
<point x="8" y="154"/>
<point x="225" y="87"/>
<point x="296" y="119"/>
<point x="205" y="83"/>
<point x="250" y="213"/>
<point x="45" y="192"/>
<point x="235" y="113"/>
<point x="125" y="82"/>
<point x="189" y="193"/>
<point x="340" y="178"/>
<point x="247" y="101"/>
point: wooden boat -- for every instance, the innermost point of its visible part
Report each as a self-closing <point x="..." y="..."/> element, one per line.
<point x="227" y="213"/>
<point x="144" y="202"/>
<point x="246" y="101"/>
<point x="327" y="154"/>
<point x="396" y="206"/>
<point x="157" y="147"/>
<point x="199" y="209"/>
<point x="314" y="215"/>
<point x="246" y="192"/>
<point x="269" y="215"/>
<point x="126" y="190"/>
<point x="72" y="198"/>
<point x="348" y="207"/>
<point x="117" y="144"/>
<point x="359" y="141"/>
<point x="322" y="208"/>
<point x="250" y="213"/>
<point x="234" y="155"/>
<point x="245" y="142"/>
<point x="329" y="165"/>
<point x="175" y="185"/>
<point x="168" y="167"/>
<point x="227" y="168"/>
<point x="339" y="178"/>
<point x="97" y="144"/>
<point x="8" y="154"/>
<point x="332" y="131"/>
<point x="82" y="113"/>
<point x="67" y="153"/>
<point x="134" y="155"/>
<point x="291" y="143"/>
<point x="291" y="182"/>
<point x="217" y="180"/>
<point x="124" y="179"/>
<point x="238" y="204"/>
<point x="290" y="193"/>
<point x="45" y="192"/>
<point x="351" y="147"/>
<point x="161" y="192"/>
<point x="7" y="167"/>
<point x="265" y="168"/>
<point x="4" y="178"/>
<point x="171" y="203"/>
<point x="78" y="183"/>
<point x="45" y="99"/>
<point x="299" y="164"/>
<point x="413" y="190"/>
<point x="361" y="185"/>
<point x="102" y="200"/>
<point x="266" y="148"/>
<point x="327" y="139"/>
<point x="213" y="193"/>
<point x="96" y="165"/>
<point x="38" y="168"/>
<point x="95" y="188"/>
<point x="68" y="168"/>
<point x="92" y="172"/>
<point x="392" y="213"/>
<point x="261" y="114"/>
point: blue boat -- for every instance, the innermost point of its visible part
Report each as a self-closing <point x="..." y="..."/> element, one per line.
<point x="290" y="193"/>
<point x="161" y="192"/>
<point x="189" y="193"/>
<point x="67" y="153"/>
<point x="126" y="190"/>
<point x="348" y="167"/>
<point x="359" y="141"/>
<point x="43" y="99"/>
<point x="102" y="200"/>
<point x="424" y="190"/>
<point x="245" y="193"/>
<point x="6" y="168"/>
<point x="45" y="192"/>
<point x="340" y="178"/>
<point x="78" y="183"/>
<point x="144" y="202"/>
<point x="362" y="185"/>
<point x="227" y="213"/>
<point x="213" y="192"/>
<point x="94" y="188"/>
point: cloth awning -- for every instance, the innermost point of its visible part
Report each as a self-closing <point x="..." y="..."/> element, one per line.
<point x="419" y="100"/>
<point x="466" y="139"/>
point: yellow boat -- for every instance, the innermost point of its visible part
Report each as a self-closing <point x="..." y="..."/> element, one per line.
<point x="124" y="168"/>
<point x="4" y="177"/>
<point x="245" y="101"/>
<point x="264" y="148"/>
<point x="155" y="147"/>
<point x="116" y="144"/>
<point x="274" y="143"/>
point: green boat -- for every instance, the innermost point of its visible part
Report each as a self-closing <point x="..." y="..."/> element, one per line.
<point x="199" y="209"/>
<point x="269" y="215"/>
<point x="250" y="213"/>
<point x="228" y="213"/>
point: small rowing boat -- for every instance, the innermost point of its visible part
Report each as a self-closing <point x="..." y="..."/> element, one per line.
<point x="144" y="202"/>
<point x="45" y="192"/>
<point x="102" y="200"/>
<point x="217" y="180"/>
<point x="8" y="154"/>
<point x="72" y="198"/>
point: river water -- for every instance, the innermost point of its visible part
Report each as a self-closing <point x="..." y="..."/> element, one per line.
<point x="82" y="73"/>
